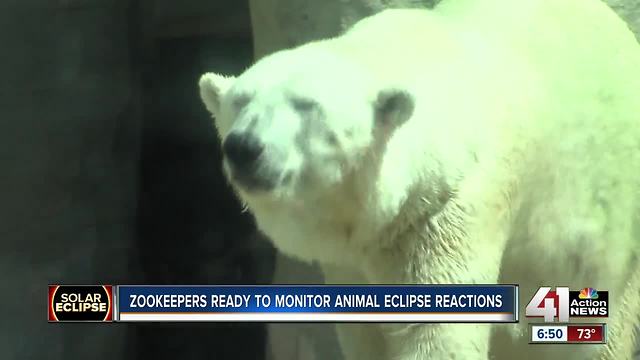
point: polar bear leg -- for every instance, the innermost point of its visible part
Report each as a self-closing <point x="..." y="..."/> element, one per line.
<point x="358" y="341"/>
<point x="563" y="244"/>
<point x="450" y="341"/>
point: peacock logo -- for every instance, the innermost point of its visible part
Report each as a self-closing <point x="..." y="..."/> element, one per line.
<point x="588" y="293"/>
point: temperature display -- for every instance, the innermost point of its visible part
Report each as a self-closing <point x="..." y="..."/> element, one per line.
<point x="585" y="333"/>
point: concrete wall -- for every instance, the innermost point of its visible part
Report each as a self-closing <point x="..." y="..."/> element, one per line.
<point x="69" y="150"/>
<point x="110" y="171"/>
<point x="191" y="227"/>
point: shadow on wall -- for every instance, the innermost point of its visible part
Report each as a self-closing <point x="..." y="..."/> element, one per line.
<point x="192" y="230"/>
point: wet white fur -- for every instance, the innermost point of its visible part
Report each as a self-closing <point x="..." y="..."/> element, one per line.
<point x="520" y="163"/>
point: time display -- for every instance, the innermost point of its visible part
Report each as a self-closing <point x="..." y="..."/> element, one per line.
<point x="549" y="333"/>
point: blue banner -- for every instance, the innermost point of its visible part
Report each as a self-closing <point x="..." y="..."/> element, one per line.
<point x="380" y="303"/>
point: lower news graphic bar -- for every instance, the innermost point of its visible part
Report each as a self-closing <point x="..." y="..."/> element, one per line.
<point x="319" y="303"/>
<point x="285" y="303"/>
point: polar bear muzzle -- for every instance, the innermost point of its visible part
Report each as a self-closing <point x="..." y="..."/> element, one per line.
<point x="242" y="153"/>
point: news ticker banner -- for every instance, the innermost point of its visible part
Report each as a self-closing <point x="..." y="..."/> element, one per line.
<point x="284" y="303"/>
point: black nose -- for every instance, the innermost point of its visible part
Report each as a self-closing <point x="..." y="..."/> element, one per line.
<point x="242" y="150"/>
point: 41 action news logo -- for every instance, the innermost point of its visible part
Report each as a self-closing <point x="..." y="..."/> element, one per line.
<point x="564" y="304"/>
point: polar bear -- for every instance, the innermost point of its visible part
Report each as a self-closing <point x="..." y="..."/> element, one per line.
<point x="485" y="141"/>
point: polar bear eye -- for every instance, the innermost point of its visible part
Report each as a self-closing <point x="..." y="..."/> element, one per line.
<point x="304" y="105"/>
<point x="241" y="101"/>
<point x="332" y="139"/>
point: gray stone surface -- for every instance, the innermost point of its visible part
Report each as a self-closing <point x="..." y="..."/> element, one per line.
<point x="70" y="130"/>
<point x="170" y="18"/>
<point x="191" y="227"/>
<point x="111" y="174"/>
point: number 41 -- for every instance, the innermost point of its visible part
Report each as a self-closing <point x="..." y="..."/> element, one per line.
<point x="550" y="300"/>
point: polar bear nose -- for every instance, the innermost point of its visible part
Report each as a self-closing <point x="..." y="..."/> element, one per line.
<point x="242" y="150"/>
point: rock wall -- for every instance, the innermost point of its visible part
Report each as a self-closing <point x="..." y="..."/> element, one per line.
<point x="111" y="171"/>
<point x="69" y="153"/>
<point x="191" y="227"/>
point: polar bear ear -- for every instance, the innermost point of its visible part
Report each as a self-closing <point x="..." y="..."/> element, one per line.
<point x="393" y="107"/>
<point x="212" y="88"/>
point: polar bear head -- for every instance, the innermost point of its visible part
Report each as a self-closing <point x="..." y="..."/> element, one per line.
<point x="300" y="122"/>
